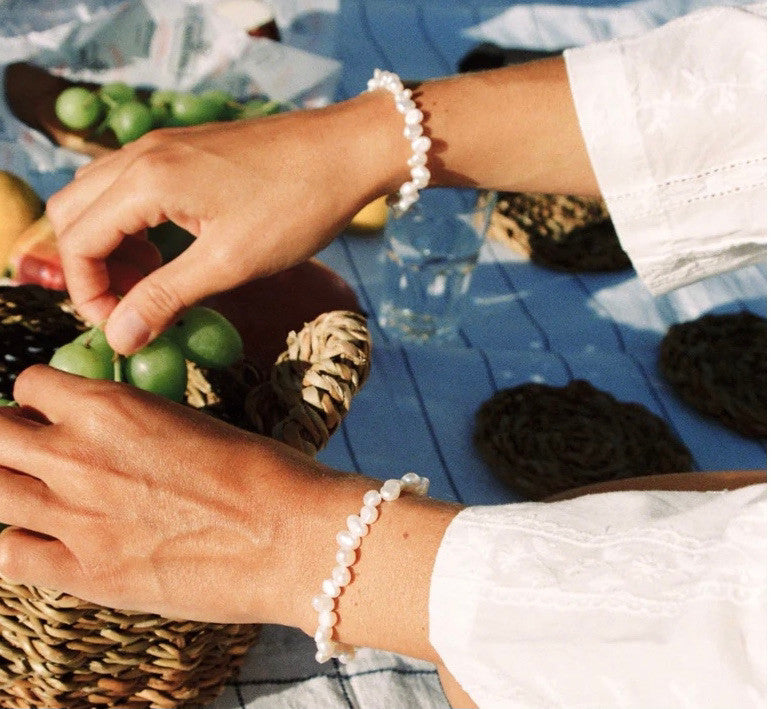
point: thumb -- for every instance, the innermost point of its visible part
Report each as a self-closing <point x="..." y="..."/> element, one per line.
<point x="155" y="302"/>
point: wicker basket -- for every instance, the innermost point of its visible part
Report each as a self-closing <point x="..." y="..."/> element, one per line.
<point x="59" y="651"/>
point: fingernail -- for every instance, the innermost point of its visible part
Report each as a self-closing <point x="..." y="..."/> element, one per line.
<point x="128" y="332"/>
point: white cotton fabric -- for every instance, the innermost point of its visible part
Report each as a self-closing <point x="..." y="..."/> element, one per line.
<point x="624" y="600"/>
<point x="675" y="127"/>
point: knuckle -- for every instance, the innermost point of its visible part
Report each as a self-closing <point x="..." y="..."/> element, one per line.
<point x="159" y="297"/>
<point x="55" y="206"/>
<point x="100" y="399"/>
<point x="152" y="167"/>
<point x="108" y="408"/>
<point x="151" y="141"/>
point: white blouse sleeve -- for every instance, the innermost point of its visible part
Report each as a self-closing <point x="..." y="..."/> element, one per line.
<point x="633" y="600"/>
<point x="675" y="127"/>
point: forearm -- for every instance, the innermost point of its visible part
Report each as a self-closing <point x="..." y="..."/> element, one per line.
<point x="511" y="129"/>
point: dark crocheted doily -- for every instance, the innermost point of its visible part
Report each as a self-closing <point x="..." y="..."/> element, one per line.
<point x="560" y="232"/>
<point x="541" y="440"/>
<point x="718" y="364"/>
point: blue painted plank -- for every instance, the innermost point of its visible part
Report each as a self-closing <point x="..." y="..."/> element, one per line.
<point x="453" y="384"/>
<point x="337" y="454"/>
<point x="630" y="307"/>
<point x="495" y="315"/>
<point x="397" y="29"/>
<point x="388" y="430"/>
<point x="511" y="368"/>
<point x="358" y="51"/>
<point x="444" y="26"/>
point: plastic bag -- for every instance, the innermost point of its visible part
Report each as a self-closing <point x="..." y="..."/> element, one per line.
<point x="176" y="44"/>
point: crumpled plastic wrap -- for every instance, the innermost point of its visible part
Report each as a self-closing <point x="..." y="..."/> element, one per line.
<point x="177" y="44"/>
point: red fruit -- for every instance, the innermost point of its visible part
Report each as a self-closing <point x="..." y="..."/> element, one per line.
<point x="35" y="258"/>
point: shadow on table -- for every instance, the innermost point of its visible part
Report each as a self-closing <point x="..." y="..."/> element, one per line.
<point x="520" y="305"/>
<point x="280" y="672"/>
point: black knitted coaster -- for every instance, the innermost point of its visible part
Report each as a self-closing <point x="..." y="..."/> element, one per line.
<point x="541" y="440"/>
<point x="560" y="232"/>
<point x="718" y="365"/>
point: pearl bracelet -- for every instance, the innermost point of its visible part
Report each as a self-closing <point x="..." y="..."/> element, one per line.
<point x="408" y="193"/>
<point x="348" y="540"/>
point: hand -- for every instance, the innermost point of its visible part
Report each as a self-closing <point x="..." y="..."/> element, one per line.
<point x="135" y="502"/>
<point x="130" y="501"/>
<point x="259" y="195"/>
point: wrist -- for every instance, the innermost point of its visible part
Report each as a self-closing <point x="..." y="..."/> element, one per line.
<point x="385" y="605"/>
<point x="378" y="144"/>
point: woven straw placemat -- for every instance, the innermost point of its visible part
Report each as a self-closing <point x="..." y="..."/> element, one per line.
<point x="559" y="232"/>
<point x="718" y="365"/>
<point x="542" y="440"/>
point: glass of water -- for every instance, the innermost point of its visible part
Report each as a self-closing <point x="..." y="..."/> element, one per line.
<point x="429" y="255"/>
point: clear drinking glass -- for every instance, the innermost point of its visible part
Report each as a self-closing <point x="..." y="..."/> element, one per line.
<point x="430" y="252"/>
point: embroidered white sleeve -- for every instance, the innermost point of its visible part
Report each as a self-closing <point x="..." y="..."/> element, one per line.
<point x="634" y="600"/>
<point x="675" y="126"/>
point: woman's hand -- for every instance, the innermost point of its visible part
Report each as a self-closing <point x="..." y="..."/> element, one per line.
<point x="131" y="501"/>
<point x="134" y="502"/>
<point x="260" y="195"/>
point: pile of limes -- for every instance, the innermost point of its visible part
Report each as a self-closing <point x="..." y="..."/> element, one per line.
<point x="202" y="335"/>
<point x="118" y="107"/>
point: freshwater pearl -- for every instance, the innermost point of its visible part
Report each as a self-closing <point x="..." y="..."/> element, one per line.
<point x="410" y="479"/>
<point x="356" y="526"/>
<point x="327" y="619"/>
<point x="323" y="634"/>
<point x="407" y="189"/>
<point x="322" y="602"/>
<point x="369" y="513"/>
<point x="346" y="540"/>
<point x="407" y="200"/>
<point x="421" y="144"/>
<point x="413" y="117"/>
<point x="345" y="557"/>
<point x="422" y="174"/>
<point x="390" y="490"/>
<point x="330" y="588"/>
<point x="341" y="575"/>
<point x="372" y="498"/>
<point x="327" y="647"/>
<point x="412" y="132"/>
